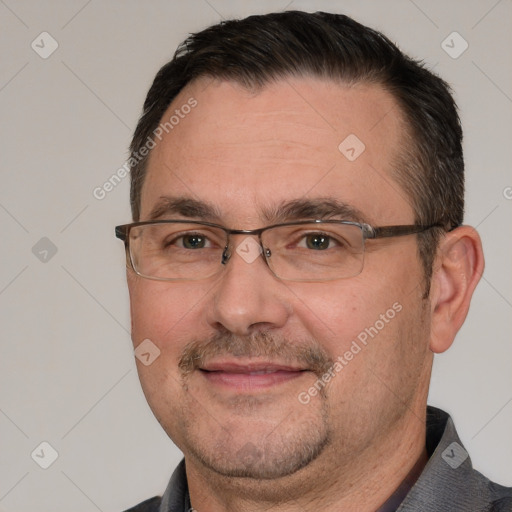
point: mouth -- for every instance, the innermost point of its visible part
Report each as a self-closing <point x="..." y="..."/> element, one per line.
<point x="249" y="376"/>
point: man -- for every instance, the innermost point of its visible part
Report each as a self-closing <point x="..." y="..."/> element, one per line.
<point x="297" y="257"/>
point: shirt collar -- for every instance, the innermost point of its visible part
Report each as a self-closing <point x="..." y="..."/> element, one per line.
<point x="394" y="501"/>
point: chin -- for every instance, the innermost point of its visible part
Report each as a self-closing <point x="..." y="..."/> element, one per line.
<point x="262" y="449"/>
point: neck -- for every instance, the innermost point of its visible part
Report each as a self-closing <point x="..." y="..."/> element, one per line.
<point x="364" y="483"/>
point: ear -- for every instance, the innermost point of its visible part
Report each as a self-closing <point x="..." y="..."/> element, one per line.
<point x="458" y="266"/>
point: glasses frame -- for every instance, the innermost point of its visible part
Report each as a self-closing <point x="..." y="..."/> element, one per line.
<point x="369" y="233"/>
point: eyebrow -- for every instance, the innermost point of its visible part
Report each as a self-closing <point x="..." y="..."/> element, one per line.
<point x="296" y="209"/>
<point x="184" y="207"/>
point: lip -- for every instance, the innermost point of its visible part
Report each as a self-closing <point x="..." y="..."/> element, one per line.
<point x="249" y="375"/>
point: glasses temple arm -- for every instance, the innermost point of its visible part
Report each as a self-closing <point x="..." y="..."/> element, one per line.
<point x="389" y="231"/>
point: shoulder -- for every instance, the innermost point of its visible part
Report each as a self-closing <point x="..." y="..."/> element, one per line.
<point x="151" y="505"/>
<point x="501" y="497"/>
<point x="502" y="505"/>
<point x="449" y="481"/>
<point x="175" y="497"/>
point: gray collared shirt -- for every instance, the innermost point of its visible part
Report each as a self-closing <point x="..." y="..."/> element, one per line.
<point x="447" y="483"/>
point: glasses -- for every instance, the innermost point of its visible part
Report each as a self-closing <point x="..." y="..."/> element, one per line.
<point x="304" y="251"/>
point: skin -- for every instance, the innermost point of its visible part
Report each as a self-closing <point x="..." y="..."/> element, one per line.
<point x="353" y="443"/>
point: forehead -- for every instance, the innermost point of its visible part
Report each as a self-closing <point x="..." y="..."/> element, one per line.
<point x="245" y="152"/>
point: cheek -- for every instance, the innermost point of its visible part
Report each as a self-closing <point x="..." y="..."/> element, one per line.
<point x="374" y="334"/>
<point x="372" y="306"/>
<point x="161" y="311"/>
<point x="167" y="315"/>
<point x="338" y="315"/>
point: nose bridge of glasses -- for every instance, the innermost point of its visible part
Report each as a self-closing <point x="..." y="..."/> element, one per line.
<point x="243" y="242"/>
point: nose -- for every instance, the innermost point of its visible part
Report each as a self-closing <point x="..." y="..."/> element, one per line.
<point x="247" y="296"/>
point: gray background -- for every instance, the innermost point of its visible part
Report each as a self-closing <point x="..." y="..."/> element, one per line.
<point x="67" y="373"/>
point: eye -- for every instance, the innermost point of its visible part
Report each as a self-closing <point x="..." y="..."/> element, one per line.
<point x="193" y="241"/>
<point x="190" y="241"/>
<point x="317" y="241"/>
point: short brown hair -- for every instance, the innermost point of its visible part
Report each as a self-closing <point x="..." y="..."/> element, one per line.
<point x="259" y="49"/>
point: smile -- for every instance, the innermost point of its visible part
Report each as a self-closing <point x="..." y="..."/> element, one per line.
<point x="250" y="376"/>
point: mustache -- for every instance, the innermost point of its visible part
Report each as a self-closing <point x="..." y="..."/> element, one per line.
<point x="308" y="355"/>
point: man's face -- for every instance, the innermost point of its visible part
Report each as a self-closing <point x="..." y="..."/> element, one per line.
<point x="248" y="397"/>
